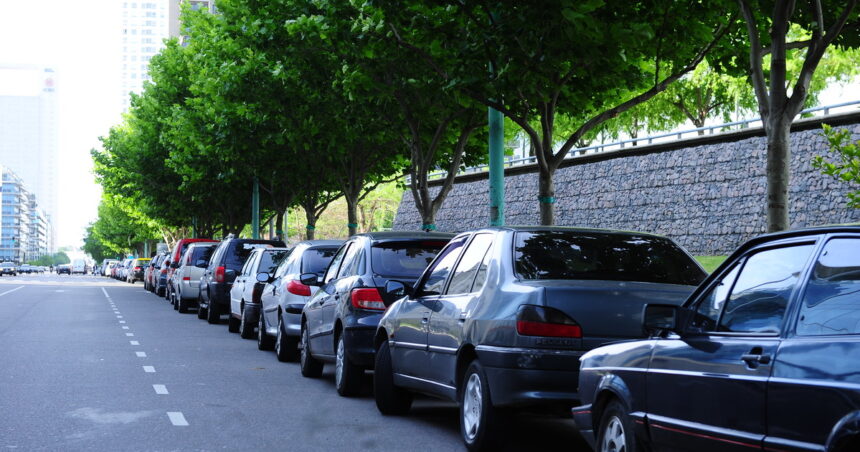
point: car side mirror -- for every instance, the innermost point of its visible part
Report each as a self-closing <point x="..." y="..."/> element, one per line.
<point x="662" y="317"/>
<point x="394" y="290"/>
<point x="263" y="277"/>
<point x="310" y="279"/>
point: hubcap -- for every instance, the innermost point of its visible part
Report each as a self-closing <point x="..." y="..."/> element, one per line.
<point x="304" y="354"/>
<point x="278" y="340"/>
<point x="242" y="321"/>
<point x="472" y="407"/>
<point x="338" y="370"/>
<point x="613" y="437"/>
<point x="260" y="330"/>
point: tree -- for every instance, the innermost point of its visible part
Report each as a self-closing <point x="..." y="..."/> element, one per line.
<point x="779" y="98"/>
<point x="846" y="163"/>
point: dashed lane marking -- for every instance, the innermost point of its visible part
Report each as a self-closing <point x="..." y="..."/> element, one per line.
<point x="12" y="290"/>
<point x="140" y="354"/>
<point x="125" y="327"/>
<point x="106" y="294"/>
<point x="122" y="321"/>
<point x="177" y="418"/>
<point x="129" y="334"/>
<point x="149" y="369"/>
<point x="160" y="389"/>
<point x="134" y="342"/>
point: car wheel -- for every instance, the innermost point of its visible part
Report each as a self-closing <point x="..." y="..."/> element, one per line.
<point x="389" y="398"/>
<point x="246" y="328"/>
<point x="213" y="316"/>
<point x="264" y="341"/>
<point x="174" y="300"/>
<point x="347" y="375"/>
<point x="232" y="324"/>
<point x="201" y="311"/>
<point x="479" y="420"/>
<point x="286" y="347"/>
<point x="311" y="367"/>
<point x="181" y="305"/>
<point x="616" y="430"/>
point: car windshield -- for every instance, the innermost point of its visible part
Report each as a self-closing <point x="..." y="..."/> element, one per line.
<point x="317" y="259"/>
<point x="603" y="256"/>
<point x="6" y="264"/>
<point x="271" y="259"/>
<point x="404" y="259"/>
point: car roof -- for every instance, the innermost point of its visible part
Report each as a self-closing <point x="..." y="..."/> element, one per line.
<point x="406" y="235"/>
<point x="538" y="228"/>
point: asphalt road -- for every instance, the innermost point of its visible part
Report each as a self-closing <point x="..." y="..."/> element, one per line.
<point x="89" y="363"/>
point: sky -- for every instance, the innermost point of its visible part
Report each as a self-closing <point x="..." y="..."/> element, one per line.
<point x="80" y="40"/>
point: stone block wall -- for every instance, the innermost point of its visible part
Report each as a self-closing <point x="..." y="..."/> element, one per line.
<point x="708" y="197"/>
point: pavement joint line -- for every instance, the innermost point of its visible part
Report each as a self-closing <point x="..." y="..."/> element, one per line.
<point x="177" y="418"/>
<point x="140" y="354"/>
<point x="149" y="369"/>
<point x="134" y="342"/>
<point x="160" y="389"/>
<point x="12" y="290"/>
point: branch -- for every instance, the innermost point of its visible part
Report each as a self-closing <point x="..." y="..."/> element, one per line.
<point x="789" y="46"/>
<point x="757" y="75"/>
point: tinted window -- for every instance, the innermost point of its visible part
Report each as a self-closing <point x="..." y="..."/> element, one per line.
<point x="831" y="304"/>
<point x="709" y="309"/>
<point x="351" y="261"/>
<point x="270" y="260"/>
<point x="434" y="282"/>
<point x="240" y="251"/>
<point x="317" y="259"/>
<point x="758" y="300"/>
<point x="335" y="263"/>
<point x="603" y="256"/>
<point x="201" y="252"/>
<point x="464" y="275"/>
<point x="403" y="259"/>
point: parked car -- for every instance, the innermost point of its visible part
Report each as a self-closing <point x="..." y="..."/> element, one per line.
<point x="122" y="271"/>
<point x="135" y="272"/>
<point x="247" y="288"/>
<point x="62" y="268"/>
<point x="175" y="257"/>
<point x="217" y="280"/>
<point x="79" y="266"/>
<point x="500" y="319"/>
<point x="149" y="274"/>
<point x="106" y="266"/>
<point x="339" y="321"/>
<point x="285" y="296"/>
<point x="8" y="268"/>
<point x="187" y="276"/>
<point x="763" y="355"/>
<point x="26" y="268"/>
<point x="160" y="277"/>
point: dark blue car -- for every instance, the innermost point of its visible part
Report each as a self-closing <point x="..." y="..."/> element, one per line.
<point x="765" y="354"/>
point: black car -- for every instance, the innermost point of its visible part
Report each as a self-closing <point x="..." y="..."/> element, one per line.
<point x="217" y="280"/>
<point x="64" y="268"/>
<point x="765" y="354"/>
<point x="339" y="321"/>
<point x="8" y="268"/>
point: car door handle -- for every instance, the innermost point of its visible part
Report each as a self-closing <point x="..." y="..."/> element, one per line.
<point x="755" y="359"/>
<point x="425" y="318"/>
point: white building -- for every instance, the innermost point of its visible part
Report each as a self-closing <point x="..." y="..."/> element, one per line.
<point x="29" y="144"/>
<point x="26" y="231"/>
<point x="145" y="25"/>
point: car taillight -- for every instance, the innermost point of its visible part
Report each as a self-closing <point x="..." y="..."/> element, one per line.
<point x="296" y="287"/>
<point x="548" y="322"/>
<point x="219" y="274"/>
<point x="367" y="299"/>
<point x="137" y="269"/>
<point x="186" y="278"/>
<point x="163" y="271"/>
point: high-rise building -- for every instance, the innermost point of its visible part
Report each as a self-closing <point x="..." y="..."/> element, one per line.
<point x="25" y="229"/>
<point x="29" y="144"/>
<point x="175" y="8"/>
<point x="145" y="25"/>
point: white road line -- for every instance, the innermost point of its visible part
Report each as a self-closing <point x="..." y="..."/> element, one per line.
<point x="125" y="327"/>
<point x="119" y="316"/>
<point x="140" y="354"/>
<point x="134" y="342"/>
<point x="160" y="389"/>
<point x="105" y="292"/>
<point x="10" y="291"/>
<point x="177" y="419"/>
<point x="149" y="369"/>
<point x="122" y="321"/>
<point x="129" y="334"/>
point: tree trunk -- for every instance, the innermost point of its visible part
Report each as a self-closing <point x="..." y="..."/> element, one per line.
<point x="778" y="174"/>
<point x="428" y="218"/>
<point x="352" y="213"/>
<point x="279" y="225"/>
<point x="546" y="197"/>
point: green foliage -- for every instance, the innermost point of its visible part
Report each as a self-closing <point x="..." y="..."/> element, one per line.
<point x="710" y="263"/>
<point x="845" y="162"/>
<point x="47" y="260"/>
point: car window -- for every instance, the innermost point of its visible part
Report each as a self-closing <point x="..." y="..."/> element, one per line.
<point x="403" y="259"/>
<point x="315" y="260"/>
<point x="603" y="256"/>
<point x="831" y="303"/>
<point x="249" y="264"/>
<point x="708" y="310"/>
<point x="760" y="295"/>
<point x="434" y="281"/>
<point x="269" y="260"/>
<point x="289" y="262"/>
<point x="239" y="252"/>
<point x="350" y="261"/>
<point x="481" y="276"/>
<point x="201" y="253"/>
<point x="335" y="263"/>
<point x="467" y="268"/>
<point x="219" y="254"/>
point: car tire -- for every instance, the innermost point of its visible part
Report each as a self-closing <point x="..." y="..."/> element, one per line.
<point x="201" y="311"/>
<point x="347" y="375"/>
<point x="390" y="400"/>
<point x="232" y="324"/>
<point x="479" y="419"/>
<point x="616" y="430"/>
<point x="246" y="328"/>
<point x="311" y="367"/>
<point x="181" y="304"/>
<point x="174" y="300"/>
<point x="286" y="347"/>
<point x="212" y="314"/>
<point x="264" y="341"/>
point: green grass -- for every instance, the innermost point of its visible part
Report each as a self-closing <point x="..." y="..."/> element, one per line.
<point x="710" y="262"/>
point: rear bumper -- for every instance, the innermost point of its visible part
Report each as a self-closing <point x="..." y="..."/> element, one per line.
<point x="358" y="344"/>
<point x="219" y="295"/>
<point x="531" y="377"/>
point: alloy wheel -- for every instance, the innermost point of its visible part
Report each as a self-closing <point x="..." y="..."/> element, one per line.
<point x="338" y="369"/>
<point x="614" y="439"/>
<point x="472" y="406"/>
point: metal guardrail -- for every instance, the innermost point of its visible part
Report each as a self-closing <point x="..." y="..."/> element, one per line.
<point x="651" y="139"/>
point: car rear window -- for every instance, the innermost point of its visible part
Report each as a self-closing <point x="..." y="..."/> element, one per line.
<point x="239" y="252"/>
<point x="201" y="252"/>
<point x="271" y="259"/>
<point x="603" y="256"/>
<point x="316" y="260"/>
<point x="404" y="259"/>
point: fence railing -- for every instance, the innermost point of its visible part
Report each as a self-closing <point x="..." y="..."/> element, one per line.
<point x="651" y="139"/>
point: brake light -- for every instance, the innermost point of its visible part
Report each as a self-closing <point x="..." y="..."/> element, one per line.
<point x="295" y="287"/>
<point x="186" y="278"/>
<point x="367" y="299"/>
<point x="137" y="269"/>
<point x="219" y="274"/>
<point x="163" y="271"/>
<point x="546" y="322"/>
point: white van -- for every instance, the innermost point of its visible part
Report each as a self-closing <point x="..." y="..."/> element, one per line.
<point x="79" y="266"/>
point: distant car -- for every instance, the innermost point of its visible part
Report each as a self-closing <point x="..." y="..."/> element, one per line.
<point x="63" y="268"/>
<point x="217" y="280"/>
<point x="135" y="273"/>
<point x="79" y="266"/>
<point x="173" y="258"/>
<point x="339" y="321"/>
<point x="247" y="288"/>
<point x="187" y="276"/>
<point x="285" y="296"/>
<point x="106" y="266"/>
<point x="8" y="268"/>
<point x="763" y="355"/>
<point x="151" y="270"/>
<point x="27" y="268"/>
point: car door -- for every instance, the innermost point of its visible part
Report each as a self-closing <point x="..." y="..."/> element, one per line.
<point x="706" y="389"/>
<point x="270" y="297"/>
<point x="206" y="281"/>
<point x="337" y="305"/>
<point x="816" y="371"/>
<point x="412" y="323"/>
<point x="314" y="309"/>
<point x="452" y="309"/>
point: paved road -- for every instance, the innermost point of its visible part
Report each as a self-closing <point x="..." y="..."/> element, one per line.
<point x="91" y="363"/>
